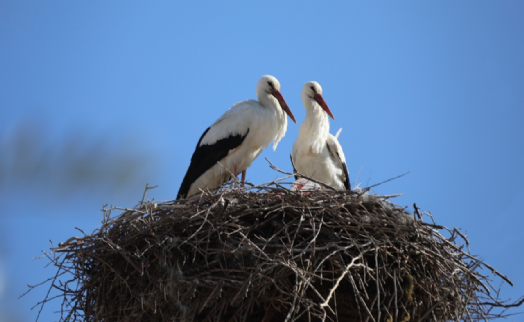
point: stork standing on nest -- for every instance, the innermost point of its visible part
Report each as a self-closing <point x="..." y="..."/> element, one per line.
<point x="317" y="153"/>
<point x="237" y="138"/>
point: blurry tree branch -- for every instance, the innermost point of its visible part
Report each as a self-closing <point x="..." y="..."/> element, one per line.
<point x="79" y="160"/>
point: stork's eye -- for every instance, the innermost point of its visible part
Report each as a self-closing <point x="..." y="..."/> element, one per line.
<point x="313" y="89"/>
<point x="270" y="84"/>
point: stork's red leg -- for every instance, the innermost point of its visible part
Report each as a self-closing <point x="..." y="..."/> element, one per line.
<point x="243" y="177"/>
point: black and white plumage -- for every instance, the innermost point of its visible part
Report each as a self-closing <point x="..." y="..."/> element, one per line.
<point x="237" y="138"/>
<point x="317" y="153"/>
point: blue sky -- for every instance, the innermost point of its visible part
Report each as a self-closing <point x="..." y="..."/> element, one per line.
<point x="435" y="88"/>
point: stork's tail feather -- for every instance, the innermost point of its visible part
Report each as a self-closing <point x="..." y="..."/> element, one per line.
<point x="338" y="133"/>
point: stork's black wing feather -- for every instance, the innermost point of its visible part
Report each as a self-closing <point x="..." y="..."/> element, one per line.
<point x="347" y="185"/>
<point x="206" y="156"/>
<point x="346" y="173"/>
<point x="293" y="165"/>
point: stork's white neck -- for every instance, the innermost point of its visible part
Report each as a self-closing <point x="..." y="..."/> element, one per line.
<point x="272" y="105"/>
<point x="315" y="128"/>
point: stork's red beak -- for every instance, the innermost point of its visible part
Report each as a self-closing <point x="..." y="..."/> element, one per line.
<point x="283" y="104"/>
<point x="322" y="103"/>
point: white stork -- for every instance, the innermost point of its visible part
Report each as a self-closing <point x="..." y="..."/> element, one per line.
<point x="237" y="138"/>
<point x="317" y="153"/>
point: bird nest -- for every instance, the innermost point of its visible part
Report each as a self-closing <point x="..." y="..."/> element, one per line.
<point x="270" y="254"/>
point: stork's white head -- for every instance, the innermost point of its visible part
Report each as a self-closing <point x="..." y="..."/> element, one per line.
<point x="269" y="86"/>
<point x="312" y="95"/>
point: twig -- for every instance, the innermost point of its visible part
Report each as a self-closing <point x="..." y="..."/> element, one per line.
<point x="378" y="184"/>
<point x="416" y="211"/>
<point x="145" y="192"/>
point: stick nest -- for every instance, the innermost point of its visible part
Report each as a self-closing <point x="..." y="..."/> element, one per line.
<point x="271" y="255"/>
